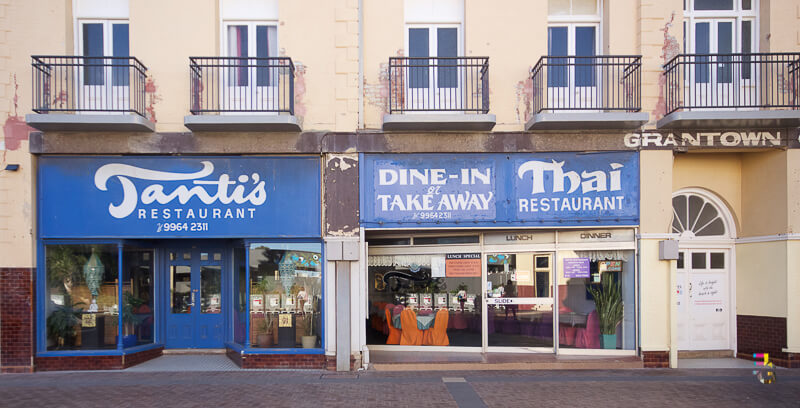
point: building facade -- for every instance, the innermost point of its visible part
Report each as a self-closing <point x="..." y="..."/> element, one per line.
<point x="300" y="186"/>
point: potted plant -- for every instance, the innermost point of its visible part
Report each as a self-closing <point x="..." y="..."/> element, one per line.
<point x="608" y="302"/>
<point x="61" y="323"/>
<point x="264" y="337"/>
<point x="130" y="303"/>
<point x="310" y="339"/>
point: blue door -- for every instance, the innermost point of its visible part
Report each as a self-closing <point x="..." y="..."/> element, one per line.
<point x="194" y="309"/>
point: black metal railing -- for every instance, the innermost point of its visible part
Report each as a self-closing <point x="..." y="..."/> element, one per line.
<point x="732" y="81"/>
<point x="599" y="83"/>
<point x="443" y="84"/>
<point x="241" y="84"/>
<point x="71" y="84"/>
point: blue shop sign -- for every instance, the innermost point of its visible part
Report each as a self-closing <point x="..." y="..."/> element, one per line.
<point x="522" y="189"/>
<point x="179" y="197"/>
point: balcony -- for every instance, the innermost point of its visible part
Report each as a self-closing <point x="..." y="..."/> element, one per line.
<point x="246" y="94"/>
<point x="732" y="90"/>
<point x="439" y="93"/>
<point x="599" y="92"/>
<point x="79" y="93"/>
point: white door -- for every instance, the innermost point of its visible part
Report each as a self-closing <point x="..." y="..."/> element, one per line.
<point x="434" y="84"/>
<point x="105" y="82"/>
<point x="250" y="85"/>
<point x="718" y="79"/>
<point x="704" y="300"/>
<point x="572" y="81"/>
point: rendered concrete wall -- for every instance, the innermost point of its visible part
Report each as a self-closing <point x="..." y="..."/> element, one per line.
<point x="761" y="276"/>
<point x="718" y="173"/>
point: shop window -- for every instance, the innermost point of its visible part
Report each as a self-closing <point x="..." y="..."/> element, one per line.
<point x="717" y="260"/>
<point x="413" y="301"/>
<point x="596" y="300"/>
<point x="389" y="241"/>
<point x="137" y="296"/>
<point x="240" y="296"/>
<point x="469" y="239"/>
<point x="82" y="302"/>
<point x="285" y="295"/>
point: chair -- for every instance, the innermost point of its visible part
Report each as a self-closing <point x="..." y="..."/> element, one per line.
<point x="437" y="335"/>
<point x="589" y="337"/>
<point x="394" y="334"/>
<point x="410" y="334"/>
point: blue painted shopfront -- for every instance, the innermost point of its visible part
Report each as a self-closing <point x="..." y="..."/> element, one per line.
<point x="171" y="238"/>
<point x="500" y="190"/>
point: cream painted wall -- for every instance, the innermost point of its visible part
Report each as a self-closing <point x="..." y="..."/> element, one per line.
<point x="654" y="294"/>
<point x="783" y="33"/>
<point x="384" y="37"/>
<point x="764" y="175"/>
<point x="661" y="36"/>
<point x="620" y="36"/>
<point x="179" y="35"/>
<point x="655" y="202"/>
<point x="793" y="190"/>
<point x="761" y="271"/>
<point x="21" y="35"/>
<point x="718" y="173"/>
<point x="793" y="296"/>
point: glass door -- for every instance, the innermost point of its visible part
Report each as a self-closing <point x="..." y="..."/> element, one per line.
<point x="194" y="313"/>
<point x="519" y="300"/>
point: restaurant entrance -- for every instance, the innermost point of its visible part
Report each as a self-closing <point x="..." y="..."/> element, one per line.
<point x="519" y="300"/>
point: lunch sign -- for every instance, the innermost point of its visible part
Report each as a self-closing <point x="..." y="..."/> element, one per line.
<point x="169" y="197"/>
<point x="523" y="189"/>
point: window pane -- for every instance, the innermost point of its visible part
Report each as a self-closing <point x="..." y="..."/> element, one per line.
<point x="717" y="227"/>
<point x="702" y="44"/>
<point x="285" y="294"/>
<point x="262" y="51"/>
<point x="180" y="278"/>
<point x="542" y="262"/>
<point x="237" y="47"/>
<point x="557" y="47"/>
<point x="698" y="260"/>
<point x="724" y="46"/>
<point x="713" y="4"/>
<point x="389" y="241"/>
<point x="447" y="47"/>
<point x="411" y="293"/>
<point x="584" y="46"/>
<point x="717" y="260"/>
<point x="747" y="5"/>
<point x="120" y="71"/>
<point x="471" y="239"/>
<point x="137" y="300"/>
<point x="210" y="289"/>
<point x="514" y="321"/>
<point x="418" y="46"/>
<point x="558" y="7"/>
<point x="93" y="46"/>
<point x="747" y="48"/>
<point x="204" y="256"/>
<point x="82" y="309"/>
<point x="680" y="260"/>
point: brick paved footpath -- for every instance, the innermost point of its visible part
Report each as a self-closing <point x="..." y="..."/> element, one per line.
<point x="619" y="388"/>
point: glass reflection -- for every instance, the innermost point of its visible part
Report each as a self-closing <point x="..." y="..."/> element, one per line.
<point x="180" y="278"/>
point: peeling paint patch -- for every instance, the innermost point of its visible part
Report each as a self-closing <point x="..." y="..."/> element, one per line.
<point x="377" y="95"/>
<point x="152" y="97"/>
<point x="669" y="50"/>
<point x="299" y="91"/>
<point x="15" y="130"/>
<point x="524" y="98"/>
<point x="341" y="195"/>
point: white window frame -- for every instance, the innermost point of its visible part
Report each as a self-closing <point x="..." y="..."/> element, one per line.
<point x="89" y="96"/>
<point x="433" y="91"/>
<point x="690" y="17"/>
<point x="247" y="95"/>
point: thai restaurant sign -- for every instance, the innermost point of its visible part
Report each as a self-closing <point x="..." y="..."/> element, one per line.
<point x="179" y="197"/>
<point x="528" y="189"/>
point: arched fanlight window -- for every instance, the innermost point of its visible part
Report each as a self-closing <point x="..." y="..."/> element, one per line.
<point x="695" y="216"/>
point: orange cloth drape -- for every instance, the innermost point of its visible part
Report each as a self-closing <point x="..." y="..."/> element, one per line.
<point x="410" y="334"/>
<point x="394" y="334"/>
<point x="437" y="335"/>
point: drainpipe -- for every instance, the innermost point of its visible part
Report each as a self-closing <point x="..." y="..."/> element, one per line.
<point x="360" y="64"/>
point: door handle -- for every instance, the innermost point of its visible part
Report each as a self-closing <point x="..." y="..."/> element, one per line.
<point x="192" y="304"/>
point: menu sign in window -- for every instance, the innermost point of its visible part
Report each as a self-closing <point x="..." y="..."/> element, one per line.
<point x="576" y="268"/>
<point x="463" y="265"/>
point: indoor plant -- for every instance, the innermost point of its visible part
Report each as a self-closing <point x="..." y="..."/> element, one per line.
<point x="130" y="304"/>
<point x="264" y="338"/>
<point x="608" y="302"/>
<point x="309" y="340"/>
<point x="61" y="323"/>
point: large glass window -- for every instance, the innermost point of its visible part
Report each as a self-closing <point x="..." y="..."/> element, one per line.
<point x="82" y="302"/>
<point x="285" y="295"/>
<point x="596" y="300"/>
<point x="425" y="300"/>
<point x="137" y="296"/>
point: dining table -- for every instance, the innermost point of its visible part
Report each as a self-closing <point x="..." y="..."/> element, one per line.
<point x="424" y="322"/>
